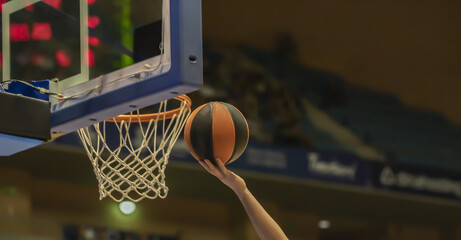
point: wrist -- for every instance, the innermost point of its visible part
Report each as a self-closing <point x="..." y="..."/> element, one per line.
<point x="241" y="191"/>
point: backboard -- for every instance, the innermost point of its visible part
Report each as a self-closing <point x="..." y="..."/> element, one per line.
<point x="102" y="58"/>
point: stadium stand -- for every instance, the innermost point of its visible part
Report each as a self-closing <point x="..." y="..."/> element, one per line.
<point x="376" y="126"/>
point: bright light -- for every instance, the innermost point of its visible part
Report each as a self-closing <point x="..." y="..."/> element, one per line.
<point x="127" y="207"/>
<point x="324" y="224"/>
<point x="19" y="32"/>
<point x="93" y="41"/>
<point x="54" y="3"/>
<point x="93" y="21"/>
<point x="41" y="31"/>
<point x="89" y="233"/>
<point x="62" y="58"/>
<point x="89" y="58"/>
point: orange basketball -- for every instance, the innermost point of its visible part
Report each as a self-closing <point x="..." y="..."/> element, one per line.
<point x="216" y="130"/>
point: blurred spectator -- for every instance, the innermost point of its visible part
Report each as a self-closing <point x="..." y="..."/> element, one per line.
<point x="272" y="112"/>
<point x="332" y="94"/>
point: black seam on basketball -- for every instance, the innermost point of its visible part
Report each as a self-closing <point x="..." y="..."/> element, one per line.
<point x="226" y="118"/>
<point x="240" y="129"/>
<point x="187" y="131"/>
<point x="201" y="133"/>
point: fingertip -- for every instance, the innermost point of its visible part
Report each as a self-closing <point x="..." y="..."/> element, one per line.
<point x="208" y="163"/>
<point x="201" y="163"/>
<point x="220" y="164"/>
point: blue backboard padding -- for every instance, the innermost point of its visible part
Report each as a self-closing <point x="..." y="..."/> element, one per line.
<point x="114" y="98"/>
<point x="25" y="90"/>
<point x="10" y="144"/>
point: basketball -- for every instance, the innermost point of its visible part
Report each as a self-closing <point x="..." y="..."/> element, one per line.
<point x="216" y="130"/>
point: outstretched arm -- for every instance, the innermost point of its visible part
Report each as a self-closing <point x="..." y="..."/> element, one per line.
<point x="263" y="223"/>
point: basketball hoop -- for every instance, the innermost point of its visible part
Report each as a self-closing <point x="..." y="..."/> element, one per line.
<point x="135" y="170"/>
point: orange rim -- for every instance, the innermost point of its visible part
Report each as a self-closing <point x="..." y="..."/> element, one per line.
<point x="155" y="116"/>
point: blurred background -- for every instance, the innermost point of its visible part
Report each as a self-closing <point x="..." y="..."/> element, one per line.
<point x="354" y="122"/>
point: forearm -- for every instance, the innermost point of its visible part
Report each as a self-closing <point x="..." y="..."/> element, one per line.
<point x="263" y="223"/>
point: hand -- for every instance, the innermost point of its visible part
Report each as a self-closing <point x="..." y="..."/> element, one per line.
<point x="232" y="180"/>
<point x="263" y="223"/>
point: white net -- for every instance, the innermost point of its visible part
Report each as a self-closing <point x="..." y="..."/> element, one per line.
<point x="129" y="168"/>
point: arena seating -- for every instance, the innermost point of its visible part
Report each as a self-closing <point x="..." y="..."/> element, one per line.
<point x="403" y="134"/>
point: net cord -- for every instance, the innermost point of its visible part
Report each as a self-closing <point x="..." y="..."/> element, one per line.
<point x="139" y="174"/>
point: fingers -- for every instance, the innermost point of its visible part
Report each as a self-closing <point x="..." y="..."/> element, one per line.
<point x="204" y="166"/>
<point x="221" y="165"/>
<point x="211" y="167"/>
<point x="209" y="164"/>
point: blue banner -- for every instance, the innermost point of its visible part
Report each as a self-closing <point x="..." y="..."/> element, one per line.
<point x="417" y="181"/>
<point x="334" y="168"/>
<point x="267" y="159"/>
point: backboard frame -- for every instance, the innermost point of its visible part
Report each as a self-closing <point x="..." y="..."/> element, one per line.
<point x="137" y="86"/>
